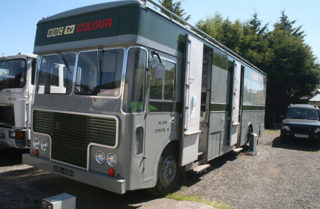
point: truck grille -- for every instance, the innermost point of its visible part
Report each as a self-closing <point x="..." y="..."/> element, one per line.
<point x="71" y="134"/>
<point x="6" y="115"/>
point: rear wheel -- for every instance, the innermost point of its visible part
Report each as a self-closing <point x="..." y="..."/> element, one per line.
<point x="168" y="172"/>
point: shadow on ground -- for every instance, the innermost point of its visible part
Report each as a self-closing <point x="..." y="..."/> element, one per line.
<point x="27" y="187"/>
<point x="297" y="144"/>
<point x="10" y="157"/>
<point x="193" y="178"/>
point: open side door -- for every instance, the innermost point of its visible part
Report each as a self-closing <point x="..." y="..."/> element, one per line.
<point x="235" y="107"/>
<point x="192" y="101"/>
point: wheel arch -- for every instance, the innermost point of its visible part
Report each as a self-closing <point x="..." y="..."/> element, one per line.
<point x="170" y="144"/>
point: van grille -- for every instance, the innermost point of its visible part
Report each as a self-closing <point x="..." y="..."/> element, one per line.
<point x="71" y="134"/>
<point x="6" y="115"/>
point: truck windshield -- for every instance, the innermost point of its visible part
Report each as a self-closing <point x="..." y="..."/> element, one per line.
<point x="12" y="73"/>
<point x="300" y="113"/>
<point x="99" y="73"/>
<point x="56" y="74"/>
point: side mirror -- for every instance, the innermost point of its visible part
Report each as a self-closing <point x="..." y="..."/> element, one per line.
<point x="281" y="117"/>
<point x="160" y="71"/>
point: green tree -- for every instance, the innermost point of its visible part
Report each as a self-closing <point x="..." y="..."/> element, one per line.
<point x="282" y="53"/>
<point x="255" y="46"/>
<point x="176" y="8"/>
<point x="286" y="25"/>
<point x="293" y="72"/>
<point x="223" y="30"/>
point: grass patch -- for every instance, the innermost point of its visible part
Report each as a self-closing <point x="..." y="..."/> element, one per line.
<point x="218" y="205"/>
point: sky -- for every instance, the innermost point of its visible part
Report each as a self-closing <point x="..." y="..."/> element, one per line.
<point x="18" y="18"/>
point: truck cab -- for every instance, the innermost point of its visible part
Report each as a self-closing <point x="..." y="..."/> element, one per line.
<point x="16" y="93"/>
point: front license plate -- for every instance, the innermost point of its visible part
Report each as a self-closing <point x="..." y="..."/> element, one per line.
<point x="64" y="171"/>
<point x="302" y="136"/>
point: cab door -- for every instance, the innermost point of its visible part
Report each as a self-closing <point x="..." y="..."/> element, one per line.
<point x="162" y="118"/>
<point x="192" y="101"/>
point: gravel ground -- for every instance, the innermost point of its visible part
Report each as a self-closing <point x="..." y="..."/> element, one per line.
<point x="282" y="175"/>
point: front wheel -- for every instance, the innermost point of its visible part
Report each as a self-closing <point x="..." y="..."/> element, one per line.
<point x="168" y="173"/>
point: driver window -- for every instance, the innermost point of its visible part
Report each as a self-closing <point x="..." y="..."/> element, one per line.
<point x="162" y="86"/>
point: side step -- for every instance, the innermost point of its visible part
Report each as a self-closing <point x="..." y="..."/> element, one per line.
<point x="201" y="168"/>
<point x="238" y="149"/>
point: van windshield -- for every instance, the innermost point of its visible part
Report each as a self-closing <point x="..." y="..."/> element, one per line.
<point x="12" y="73"/>
<point x="301" y="113"/>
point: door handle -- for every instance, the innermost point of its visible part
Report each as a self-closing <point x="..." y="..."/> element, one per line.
<point x="173" y="120"/>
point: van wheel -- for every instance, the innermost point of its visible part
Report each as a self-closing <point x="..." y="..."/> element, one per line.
<point x="168" y="173"/>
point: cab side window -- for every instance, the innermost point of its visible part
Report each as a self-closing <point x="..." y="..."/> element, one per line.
<point x="162" y="86"/>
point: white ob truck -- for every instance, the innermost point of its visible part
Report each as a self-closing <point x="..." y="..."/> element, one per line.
<point x="17" y="75"/>
<point x="143" y="97"/>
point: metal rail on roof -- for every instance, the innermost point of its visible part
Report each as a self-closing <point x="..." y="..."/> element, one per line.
<point x="200" y="32"/>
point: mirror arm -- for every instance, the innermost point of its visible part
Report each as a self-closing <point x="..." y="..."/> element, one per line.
<point x="155" y="53"/>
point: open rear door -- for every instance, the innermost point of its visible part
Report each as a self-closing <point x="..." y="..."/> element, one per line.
<point x="192" y="101"/>
<point x="235" y="108"/>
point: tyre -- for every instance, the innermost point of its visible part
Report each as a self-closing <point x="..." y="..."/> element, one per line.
<point x="283" y="138"/>
<point x="168" y="172"/>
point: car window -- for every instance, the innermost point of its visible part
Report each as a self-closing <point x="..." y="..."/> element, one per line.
<point x="300" y="113"/>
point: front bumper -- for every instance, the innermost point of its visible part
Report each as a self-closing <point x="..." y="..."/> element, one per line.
<point x="302" y="135"/>
<point x="92" y="178"/>
<point x="8" y="142"/>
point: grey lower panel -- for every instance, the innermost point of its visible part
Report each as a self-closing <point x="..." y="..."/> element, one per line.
<point x="218" y="134"/>
<point x="256" y="119"/>
<point x="105" y="182"/>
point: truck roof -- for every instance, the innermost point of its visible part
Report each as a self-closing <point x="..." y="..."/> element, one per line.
<point x="63" y="31"/>
<point x="18" y="56"/>
<point x="305" y="106"/>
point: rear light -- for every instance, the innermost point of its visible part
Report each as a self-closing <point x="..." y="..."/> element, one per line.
<point x="36" y="152"/>
<point x="20" y="135"/>
<point x="111" y="172"/>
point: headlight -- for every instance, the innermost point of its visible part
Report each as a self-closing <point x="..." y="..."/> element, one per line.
<point x="44" y="144"/>
<point x="112" y="159"/>
<point x="100" y="157"/>
<point x="317" y="130"/>
<point x="36" y="143"/>
<point x="286" y="127"/>
<point x="12" y="134"/>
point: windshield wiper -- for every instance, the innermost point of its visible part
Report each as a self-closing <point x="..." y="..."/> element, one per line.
<point x="64" y="61"/>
